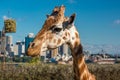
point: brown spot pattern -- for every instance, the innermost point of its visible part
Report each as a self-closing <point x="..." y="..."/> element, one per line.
<point x="59" y="41"/>
<point x="54" y="40"/>
<point x="76" y="43"/>
<point x="50" y="38"/>
<point x="52" y="20"/>
<point x="66" y="33"/>
<point x="76" y="34"/>
<point x="81" y="70"/>
<point x="64" y="38"/>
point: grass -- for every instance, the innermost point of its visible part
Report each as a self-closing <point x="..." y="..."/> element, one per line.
<point x="41" y="71"/>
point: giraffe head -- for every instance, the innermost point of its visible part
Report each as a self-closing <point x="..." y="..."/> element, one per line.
<point x="56" y="31"/>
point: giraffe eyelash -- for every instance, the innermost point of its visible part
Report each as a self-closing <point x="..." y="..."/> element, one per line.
<point x="54" y="28"/>
<point x="57" y="29"/>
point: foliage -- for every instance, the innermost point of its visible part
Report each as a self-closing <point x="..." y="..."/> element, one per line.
<point x="21" y="59"/>
<point x="35" y="60"/>
<point x="42" y="71"/>
<point x="10" y="26"/>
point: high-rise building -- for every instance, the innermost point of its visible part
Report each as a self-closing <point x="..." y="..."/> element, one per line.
<point x="21" y="48"/>
<point x="8" y="39"/>
<point x="54" y="53"/>
<point x="2" y="42"/>
<point x="9" y="46"/>
<point x="60" y="50"/>
<point x="28" y="39"/>
<point x="15" y="49"/>
<point x="48" y="54"/>
<point x="63" y="49"/>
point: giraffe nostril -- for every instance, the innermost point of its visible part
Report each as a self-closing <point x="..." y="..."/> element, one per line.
<point x="32" y="45"/>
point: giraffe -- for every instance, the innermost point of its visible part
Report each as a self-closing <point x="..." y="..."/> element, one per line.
<point x="56" y="31"/>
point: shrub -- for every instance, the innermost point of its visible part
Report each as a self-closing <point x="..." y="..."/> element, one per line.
<point x="42" y="71"/>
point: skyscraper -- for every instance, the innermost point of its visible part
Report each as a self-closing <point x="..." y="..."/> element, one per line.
<point x="54" y="52"/>
<point x="8" y="39"/>
<point x="15" y="49"/>
<point x="2" y="42"/>
<point x="21" y="48"/>
<point x="28" y="39"/>
<point x="9" y="44"/>
<point x="63" y="49"/>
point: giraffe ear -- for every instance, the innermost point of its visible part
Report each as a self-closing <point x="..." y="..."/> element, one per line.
<point x="68" y="24"/>
<point x="72" y="18"/>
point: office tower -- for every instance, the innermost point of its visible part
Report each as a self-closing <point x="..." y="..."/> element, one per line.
<point x="63" y="49"/>
<point x="15" y="49"/>
<point x="54" y="53"/>
<point x="60" y="50"/>
<point x="21" y="48"/>
<point x="29" y="38"/>
<point x="8" y="39"/>
<point x="2" y="42"/>
<point x="9" y="46"/>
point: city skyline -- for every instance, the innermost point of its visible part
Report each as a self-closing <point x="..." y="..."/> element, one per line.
<point x="20" y="47"/>
<point x="93" y="49"/>
<point x="98" y="22"/>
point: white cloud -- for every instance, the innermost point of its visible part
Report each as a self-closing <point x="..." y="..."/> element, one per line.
<point x="5" y="17"/>
<point x="117" y="21"/>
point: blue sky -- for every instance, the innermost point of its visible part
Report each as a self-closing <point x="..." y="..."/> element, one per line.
<point x="98" y="21"/>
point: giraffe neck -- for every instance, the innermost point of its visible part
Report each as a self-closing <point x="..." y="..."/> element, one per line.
<point x="79" y="66"/>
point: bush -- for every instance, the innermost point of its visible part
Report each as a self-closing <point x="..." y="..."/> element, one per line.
<point x="41" y="71"/>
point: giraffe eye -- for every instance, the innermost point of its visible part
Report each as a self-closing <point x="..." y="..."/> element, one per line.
<point x="57" y="29"/>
